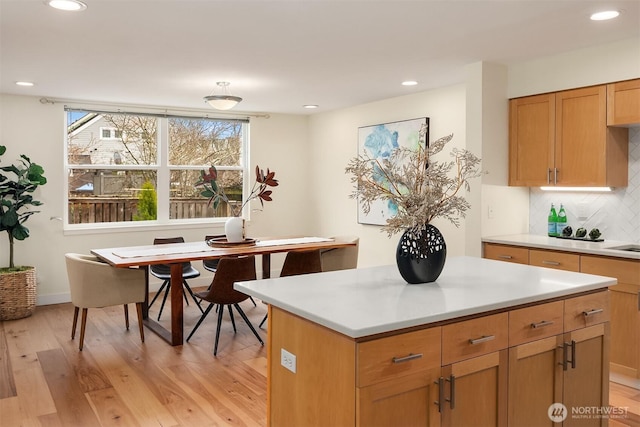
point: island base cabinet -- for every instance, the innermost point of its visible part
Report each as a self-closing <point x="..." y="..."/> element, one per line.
<point x="625" y="330"/>
<point x="571" y="369"/>
<point x="476" y="391"/>
<point x="586" y="379"/>
<point x="409" y="401"/>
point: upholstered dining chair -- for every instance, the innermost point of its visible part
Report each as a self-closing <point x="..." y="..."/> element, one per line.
<point x="94" y="284"/>
<point x="163" y="272"/>
<point x="299" y="262"/>
<point x="341" y="258"/>
<point x="221" y="292"/>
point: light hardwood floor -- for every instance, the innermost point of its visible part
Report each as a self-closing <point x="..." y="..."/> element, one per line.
<point x="117" y="381"/>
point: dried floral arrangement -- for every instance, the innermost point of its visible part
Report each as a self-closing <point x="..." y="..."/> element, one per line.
<point x="215" y="192"/>
<point x="421" y="188"/>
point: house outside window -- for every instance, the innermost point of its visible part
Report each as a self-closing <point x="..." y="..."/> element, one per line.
<point x="119" y="163"/>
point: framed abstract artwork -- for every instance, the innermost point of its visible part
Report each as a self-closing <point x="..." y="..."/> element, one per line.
<point x="377" y="142"/>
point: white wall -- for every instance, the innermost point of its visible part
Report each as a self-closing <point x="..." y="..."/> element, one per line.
<point x="333" y="141"/>
<point x="37" y="130"/>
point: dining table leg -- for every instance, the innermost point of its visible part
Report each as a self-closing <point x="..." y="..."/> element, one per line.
<point x="176" y="304"/>
<point x="266" y="266"/>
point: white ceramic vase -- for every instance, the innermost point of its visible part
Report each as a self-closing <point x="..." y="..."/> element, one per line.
<point x="234" y="229"/>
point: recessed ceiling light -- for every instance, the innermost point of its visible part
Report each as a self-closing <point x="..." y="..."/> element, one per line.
<point x="604" y="15"/>
<point x="68" y="5"/>
<point x="310" y="106"/>
<point x="24" y="83"/>
<point x="409" y="83"/>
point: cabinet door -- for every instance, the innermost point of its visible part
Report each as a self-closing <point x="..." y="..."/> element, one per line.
<point x="623" y="103"/>
<point x="586" y="378"/>
<point x="406" y="401"/>
<point x="625" y="330"/>
<point x="588" y="153"/>
<point x="535" y="381"/>
<point x="477" y="391"/>
<point x="531" y="139"/>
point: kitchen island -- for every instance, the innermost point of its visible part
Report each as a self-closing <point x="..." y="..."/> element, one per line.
<point x="362" y="347"/>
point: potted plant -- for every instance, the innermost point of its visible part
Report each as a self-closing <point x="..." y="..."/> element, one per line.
<point x="18" y="283"/>
<point x="420" y="189"/>
<point x="234" y="227"/>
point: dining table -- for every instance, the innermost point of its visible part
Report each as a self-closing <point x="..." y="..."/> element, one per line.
<point x="174" y="254"/>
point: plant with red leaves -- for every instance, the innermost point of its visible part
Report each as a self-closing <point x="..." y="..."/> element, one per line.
<point x="215" y="193"/>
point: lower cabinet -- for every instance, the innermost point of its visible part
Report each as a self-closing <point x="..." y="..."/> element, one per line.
<point x="569" y="369"/>
<point x="408" y="401"/>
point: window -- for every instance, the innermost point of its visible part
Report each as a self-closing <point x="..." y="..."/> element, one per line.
<point x="124" y="167"/>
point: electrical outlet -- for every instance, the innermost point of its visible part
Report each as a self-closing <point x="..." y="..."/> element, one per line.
<point x="583" y="211"/>
<point x="288" y="360"/>
<point x="490" y="212"/>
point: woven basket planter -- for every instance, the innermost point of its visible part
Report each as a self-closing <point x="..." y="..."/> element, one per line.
<point x="17" y="294"/>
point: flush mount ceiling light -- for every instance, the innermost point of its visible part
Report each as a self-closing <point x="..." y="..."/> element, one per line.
<point x="604" y="15"/>
<point x="68" y="5"/>
<point x="225" y="101"/>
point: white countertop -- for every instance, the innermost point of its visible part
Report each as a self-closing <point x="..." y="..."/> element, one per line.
<point x="368" y="301"/>
<point x="585" y="247"/>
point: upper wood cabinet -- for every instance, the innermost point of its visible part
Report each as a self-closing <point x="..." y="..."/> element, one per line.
<point x="623" y="103"/>
<point x="562" y="139"/>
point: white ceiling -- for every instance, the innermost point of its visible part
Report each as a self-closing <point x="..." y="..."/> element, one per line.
<point x="279" y="55"/>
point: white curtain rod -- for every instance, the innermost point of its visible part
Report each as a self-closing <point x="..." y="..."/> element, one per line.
<point x="205" y="113"/>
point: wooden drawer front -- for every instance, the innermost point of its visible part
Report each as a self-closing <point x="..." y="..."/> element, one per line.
<point x="625" y="270"/>
<point x="398" y="355"/>
<point x="536" y="322"/>
<point x="553" y="259"/>
<point x="586" y="310"/>
<point x="506" y="253"/>
<point x="475" y="337"/>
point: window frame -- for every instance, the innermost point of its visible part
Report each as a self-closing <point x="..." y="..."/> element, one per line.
<point x="162" y="168"/>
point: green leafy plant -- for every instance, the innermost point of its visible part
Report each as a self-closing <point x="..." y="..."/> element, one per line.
<point x="420" y="187"/>
<point x="216" y="194"/>
<point x="17" y="182"/>
<point x="147" y="203"/>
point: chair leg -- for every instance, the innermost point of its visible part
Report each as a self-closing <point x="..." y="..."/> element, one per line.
<point x="254" y="303"/>
<point x="158" y="293"/>
<point x="164" y="299"/>
<point x="233" y="322"/>
<point x="140" y="325"/>
<point x="126" y="316"/>
<point x="83" y="325"/>
<point x="75" y="321"/>
<point x="193" y="297"/>
<point x="215" y="347"/>
<point x="264" y="319"/>
<point x="244" y="317"/>
<point x="206" y="312"/>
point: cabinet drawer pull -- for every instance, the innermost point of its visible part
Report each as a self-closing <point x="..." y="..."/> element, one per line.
<point x="411" y="356"/>
<point x="482" y="339"/>
<point x="556" y="263"/>
<point x="541" y="324"/>
<point x="505" y="257"/>
<point x="592" y="312"/>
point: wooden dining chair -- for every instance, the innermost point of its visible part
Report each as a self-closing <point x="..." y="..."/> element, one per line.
<point x="221" y="292"/>
<point x="299" y="262"/>
<point x="163" y="272"/>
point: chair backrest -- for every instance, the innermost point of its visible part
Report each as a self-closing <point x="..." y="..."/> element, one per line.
<point x="212" y="263"/>
<point x="165" y="268"/>
<point x="341" y="258"/>
<point x="301" y="262"/>
<point x="230" y="270"/>
<point x="93" y="283"/>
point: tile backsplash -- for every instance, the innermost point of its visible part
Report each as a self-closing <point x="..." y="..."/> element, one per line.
<point x="616" y="214"/>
